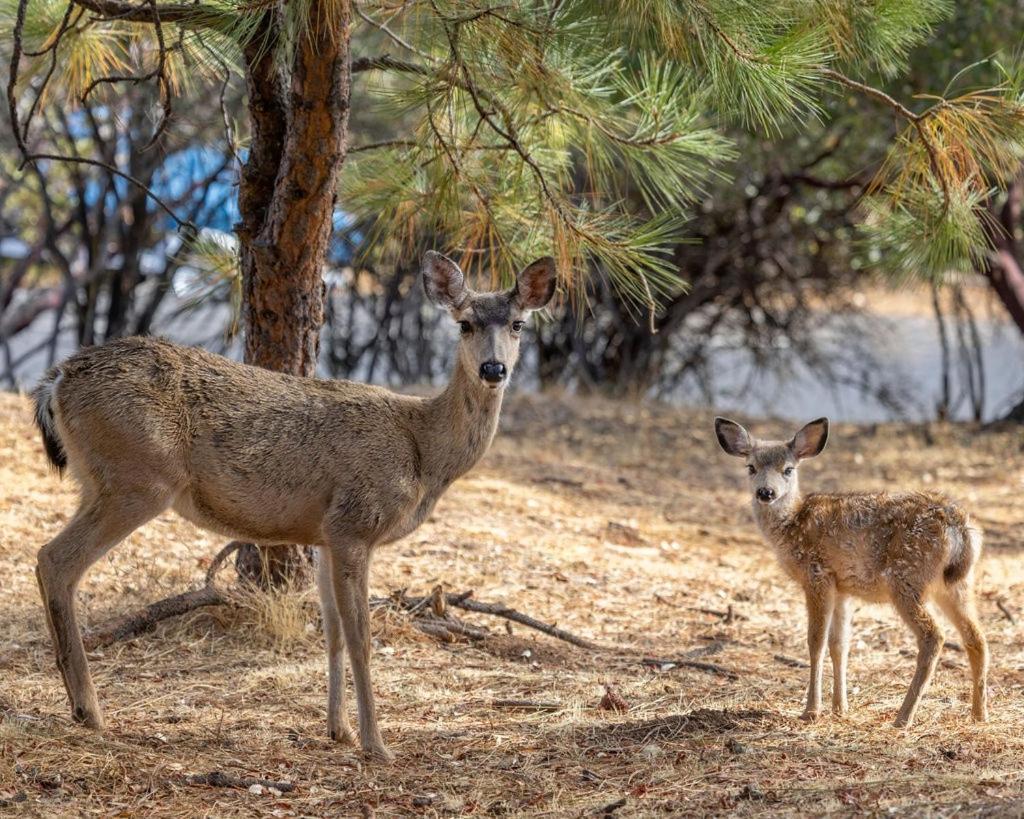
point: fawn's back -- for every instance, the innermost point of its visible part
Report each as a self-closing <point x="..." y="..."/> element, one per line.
<point x="869" y="541"/>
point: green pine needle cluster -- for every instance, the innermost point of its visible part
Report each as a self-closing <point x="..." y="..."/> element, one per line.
<point x="588" y="128"/>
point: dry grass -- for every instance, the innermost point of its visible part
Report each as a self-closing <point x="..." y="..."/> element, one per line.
<point x="617" y="521"/>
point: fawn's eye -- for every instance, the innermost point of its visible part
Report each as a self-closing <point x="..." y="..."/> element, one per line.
<point x="787" y="471"/>
<point x="517" y="326"/>
<point x="465" y="328"/>
<point x="751" y="469"/>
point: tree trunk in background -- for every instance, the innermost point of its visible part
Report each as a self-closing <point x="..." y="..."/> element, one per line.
<point x="286" y="200"/>
<point x="1004" y="269"/>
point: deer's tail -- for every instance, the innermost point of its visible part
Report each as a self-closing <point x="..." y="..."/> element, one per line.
<point x="44" y="395"/>
<point x="965" y="541"/>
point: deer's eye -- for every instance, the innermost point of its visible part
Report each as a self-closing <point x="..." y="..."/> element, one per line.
<point x="787" y="471"/>
<point x="751" y="469"/>
<point x="517" y="326"/>
<point x="465" y="328"/>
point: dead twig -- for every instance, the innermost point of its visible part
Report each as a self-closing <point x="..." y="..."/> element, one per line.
<point x="436" y="600"/>
<point x="464" y="601"/>
<point x="709" y="668"/>
<point x="129" y="626"/>
<point x="1006" y="611"/>
<point x="527" y="705"/>
<point x="729" y="615"/>
<point x="792" y="662"/>
<point x="219" y="779"/>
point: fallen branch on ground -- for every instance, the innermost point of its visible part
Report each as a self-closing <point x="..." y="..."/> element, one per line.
<point x="438" y="619"/>
<point x="709" y="668"/>
<point x="132" y="625"/>
<point x="528" y="705"/>
<point x="219" y="779"/>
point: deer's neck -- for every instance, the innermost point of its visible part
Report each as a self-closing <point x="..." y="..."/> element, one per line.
<point x="777" y="520"/>
<point x="458" y="427"/>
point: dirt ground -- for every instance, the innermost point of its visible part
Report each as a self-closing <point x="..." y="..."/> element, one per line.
<point x="621" y="522"/>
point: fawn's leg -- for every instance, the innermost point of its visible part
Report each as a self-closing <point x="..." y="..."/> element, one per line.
<point x="929" y="645"/>
<point x="350" y="567"/>
<point x="820" y="594"/>
<point x="839" y="650"/>
<point x="957" y="603"/>
<point x="100" y="523"/>
<point x="337" y="721"/>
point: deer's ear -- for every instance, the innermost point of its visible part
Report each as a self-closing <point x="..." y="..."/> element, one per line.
<point x="810" y="440"/>
<point x="535" y="284"/>
<point x="733" y="438"/>
<point x="443" y="281"/>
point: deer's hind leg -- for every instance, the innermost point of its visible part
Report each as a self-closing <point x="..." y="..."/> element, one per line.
<point x="101" y="522"/>
<point x="957" y="603"/>
<point x="909" y="603"/>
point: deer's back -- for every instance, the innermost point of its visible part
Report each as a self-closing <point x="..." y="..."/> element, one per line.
<point x="250" y="450"/>
<point x="870" y="541"/>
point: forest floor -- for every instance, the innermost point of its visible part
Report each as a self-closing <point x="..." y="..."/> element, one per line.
<point x="623" y="523"/>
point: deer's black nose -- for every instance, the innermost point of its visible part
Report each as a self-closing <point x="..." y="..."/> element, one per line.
<point x="765" y="494"/>
<point x="493" y="372"/>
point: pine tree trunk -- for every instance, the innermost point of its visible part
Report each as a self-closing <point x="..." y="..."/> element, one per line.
<point x="286" y="200"/>
<point x="1004" y="269"/>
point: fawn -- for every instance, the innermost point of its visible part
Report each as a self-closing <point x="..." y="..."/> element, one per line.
<point x="906" y="548"/>
<point x="144" y="425"/>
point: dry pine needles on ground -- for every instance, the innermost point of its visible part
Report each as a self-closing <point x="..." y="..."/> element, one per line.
<point x="618" y="523"/>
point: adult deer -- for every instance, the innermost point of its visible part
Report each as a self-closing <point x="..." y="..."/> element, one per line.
<point x="144" y="425"/>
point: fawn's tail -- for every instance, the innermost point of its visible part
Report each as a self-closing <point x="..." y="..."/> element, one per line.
<point x="966" y="549"/>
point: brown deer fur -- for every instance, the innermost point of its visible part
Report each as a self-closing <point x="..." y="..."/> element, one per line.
<point x="144" y="425"/>
<point x="907" y="549"/>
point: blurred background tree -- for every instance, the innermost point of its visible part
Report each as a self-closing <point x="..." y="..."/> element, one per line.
<point x="700" y="170"/>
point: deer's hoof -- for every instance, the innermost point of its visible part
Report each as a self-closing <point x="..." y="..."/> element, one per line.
<point x="88" y="717"/>
<point x="379" y="753"/>
<point x="342" y="735"/>
<point x="810" y="716"/>
<point x="902" y="722"/>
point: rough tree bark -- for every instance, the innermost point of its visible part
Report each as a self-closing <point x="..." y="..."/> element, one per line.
<point x="1004" y="269"/>
<point x="286" y="200"/>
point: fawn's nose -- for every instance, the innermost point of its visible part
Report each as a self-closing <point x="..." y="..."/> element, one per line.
<point x="493" y="372"/>
<point x="765" y="494"/>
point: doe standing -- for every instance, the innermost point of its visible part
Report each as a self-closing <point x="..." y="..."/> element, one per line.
<point x="145" y="425"/>
<point x="908" y="549"/>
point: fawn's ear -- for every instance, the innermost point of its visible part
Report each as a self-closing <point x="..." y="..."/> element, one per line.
<point x="535" y="284"/>
<point x="443" y="281"/>
<point x="810" y="440"/>
<point x="733" y="438"/>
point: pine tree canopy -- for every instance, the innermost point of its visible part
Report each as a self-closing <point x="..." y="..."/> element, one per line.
<point x="581" y="128"/>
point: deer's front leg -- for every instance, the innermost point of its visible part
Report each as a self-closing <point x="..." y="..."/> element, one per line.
<point x="839" y="649"/>
<point x="350" y="567"/>
<point x="820" y="594"/>
<point x="337" y="721"/>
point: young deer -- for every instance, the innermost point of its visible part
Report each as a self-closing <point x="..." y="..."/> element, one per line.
<point x="145" y="425"/>
<point x="907" y="548"/>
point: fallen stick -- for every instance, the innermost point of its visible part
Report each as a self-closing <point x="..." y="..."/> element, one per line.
<point x="528" y="705"/>
<point x="139" y="622"/>
<point x="1006" y="611"/>
<point x="792" y="662"/>
<point x="129" y="626"/>
<point x="219" y="779"/>
<point x="709" y="668"/>
<point x="464" y="601"/>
